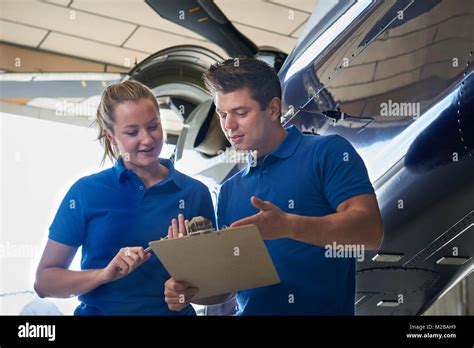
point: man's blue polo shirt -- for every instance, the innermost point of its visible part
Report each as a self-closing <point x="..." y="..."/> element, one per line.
<point x="306" y="175"/>
<point x="113" y="209"/>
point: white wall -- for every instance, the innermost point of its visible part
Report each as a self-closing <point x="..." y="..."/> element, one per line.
<point x="39" y="160"/>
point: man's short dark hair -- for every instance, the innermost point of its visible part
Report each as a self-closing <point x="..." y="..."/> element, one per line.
<point x="236" y="73"/>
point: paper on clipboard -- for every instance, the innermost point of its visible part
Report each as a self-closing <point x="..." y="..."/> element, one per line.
<point x="218" y="262"/>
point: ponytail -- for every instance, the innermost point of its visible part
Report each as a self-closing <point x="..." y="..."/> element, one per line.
<point x="112" y="96"/>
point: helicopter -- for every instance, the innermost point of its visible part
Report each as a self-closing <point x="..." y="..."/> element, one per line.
<point x="395" y="79"/>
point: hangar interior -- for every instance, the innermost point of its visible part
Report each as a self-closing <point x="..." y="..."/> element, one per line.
<point x="69" y="50"/>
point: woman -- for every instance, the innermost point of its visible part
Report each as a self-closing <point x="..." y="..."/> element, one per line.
<point x="114" y="213"/>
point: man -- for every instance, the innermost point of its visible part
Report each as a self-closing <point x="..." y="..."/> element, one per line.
<point x="305" y="193"/>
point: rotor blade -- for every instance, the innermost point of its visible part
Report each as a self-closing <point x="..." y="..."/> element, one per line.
<point x="206" y="19"/>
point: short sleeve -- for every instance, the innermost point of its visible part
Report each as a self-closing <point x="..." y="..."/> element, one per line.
<point x="69" y="224"/>
<point x="343" y="171"/>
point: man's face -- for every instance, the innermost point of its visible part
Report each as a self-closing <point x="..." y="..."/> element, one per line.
<point x="242" y="120"/>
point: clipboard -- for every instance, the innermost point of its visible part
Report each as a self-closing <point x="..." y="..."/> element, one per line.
<point x="218" y="262"/>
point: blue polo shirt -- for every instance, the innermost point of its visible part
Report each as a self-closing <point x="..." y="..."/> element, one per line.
<point x="307" y="175"/>
<point x="113" y="209"/>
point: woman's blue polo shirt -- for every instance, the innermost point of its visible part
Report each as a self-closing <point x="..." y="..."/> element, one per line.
<point x="307" y="175"/>
<point x="113" y="209"/>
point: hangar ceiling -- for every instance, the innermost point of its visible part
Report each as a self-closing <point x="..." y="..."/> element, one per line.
<point x="113" y="35"/>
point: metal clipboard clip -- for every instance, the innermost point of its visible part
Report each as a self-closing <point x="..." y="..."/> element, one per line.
<point x="197" y="226"/>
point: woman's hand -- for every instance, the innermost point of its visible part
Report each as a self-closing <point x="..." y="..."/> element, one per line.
<point x="178" y="294"/>
<point x="124" y="263"/>
<point x="178" y="228"/>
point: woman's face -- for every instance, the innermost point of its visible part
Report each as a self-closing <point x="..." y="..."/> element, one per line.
<point x="137" y="132"/>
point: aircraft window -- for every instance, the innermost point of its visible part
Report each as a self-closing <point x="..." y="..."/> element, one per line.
<point x="324" y="15"/>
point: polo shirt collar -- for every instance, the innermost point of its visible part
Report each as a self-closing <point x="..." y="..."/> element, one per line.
<point x="285" y="149"/>
<point x="174" y="176"/>
<point x="119" y="169"/>
<point x="289" y="144"/>
<point x="178" y="178"/>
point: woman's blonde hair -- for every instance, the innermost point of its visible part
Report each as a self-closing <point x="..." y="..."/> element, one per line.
<point x="112" y="96"/>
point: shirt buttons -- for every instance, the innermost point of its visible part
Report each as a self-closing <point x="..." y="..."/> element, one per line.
<point x="140" y="188"/>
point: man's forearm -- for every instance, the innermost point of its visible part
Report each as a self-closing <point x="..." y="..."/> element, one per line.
<point x="347" y="227"/>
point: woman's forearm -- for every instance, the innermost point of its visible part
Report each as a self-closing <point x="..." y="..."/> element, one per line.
<point x="63" y="283"/>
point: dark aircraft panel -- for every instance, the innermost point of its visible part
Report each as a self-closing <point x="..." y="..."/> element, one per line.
<point x="420" y="162"/>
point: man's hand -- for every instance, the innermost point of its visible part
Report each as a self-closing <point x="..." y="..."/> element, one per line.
<point x="271" y="221"/>
<point x="178" y="295"/>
